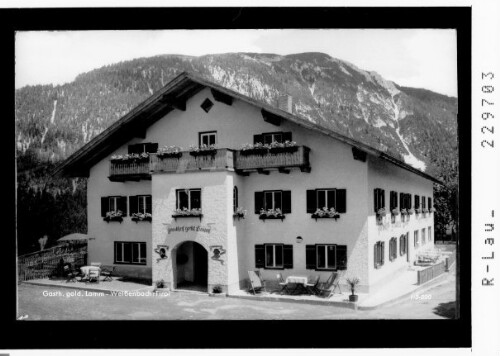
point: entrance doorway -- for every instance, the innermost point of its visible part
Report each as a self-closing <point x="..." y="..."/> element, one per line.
<point x="191" y="267"/>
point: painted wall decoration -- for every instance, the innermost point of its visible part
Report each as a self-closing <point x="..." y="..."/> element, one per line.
<point x="189" y="228"/>
<point x="161" y="250"/>
<point x="217" y="252"/>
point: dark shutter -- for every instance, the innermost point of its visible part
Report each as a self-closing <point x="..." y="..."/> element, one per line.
<point x="288" y="256"/>
<point x="382" y="252"/>
<point x="257" y="139"/>
<point x="259" y="202"/>
<point x="286" y="204"/>
<point x="133" y="204"/>
<point x="311" y="205"/>
<point x="151" y="147"/>
<point x="382" y="195"/>
<point x="287" y="136"/>
<point x="375" y="255"/>
<point x="149" y="205"/>
<point x="375" y="198"/>
<point x="429" y="203"/>
<point x="104" y="206"/>
<point x="341" y="201"/>
<point x="341" y="257"/>
<point x="260" y="256"/>
<point x="310" y="256"/>
<point x="122" y="205"/>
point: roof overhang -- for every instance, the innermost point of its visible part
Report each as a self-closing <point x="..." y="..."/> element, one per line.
<point x="174" y="96"/>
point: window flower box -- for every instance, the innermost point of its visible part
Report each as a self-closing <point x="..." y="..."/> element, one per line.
<point x="395" y="212"/>
<point x="114" y="216"/>
<point x="411" y="211"/>
<point x="286" y="147"/>
<point x="325" y="213"/>
<point x="418" y="211"/>
<point x="273" y="148"/>
<point x="187" y="213"/>
<point x="239" y="213"/>
<point x="141" y="217"/>
<point x="271" y="214"/>
<point x="432" y="210"/>
<point x="381" y="213"/>
<point x="203" y="150"/>
<point x="257" y="149"/>
<point x="169" y="152"/>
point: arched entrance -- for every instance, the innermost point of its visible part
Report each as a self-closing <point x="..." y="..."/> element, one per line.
<point x="191" y="267"/>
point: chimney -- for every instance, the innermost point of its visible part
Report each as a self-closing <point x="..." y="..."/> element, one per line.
<point x="285" y="103"/>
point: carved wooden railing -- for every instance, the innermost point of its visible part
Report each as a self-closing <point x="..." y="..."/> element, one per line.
<point x="221" y="159"/>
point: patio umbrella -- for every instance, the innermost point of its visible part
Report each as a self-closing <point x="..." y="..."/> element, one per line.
<point x="74" y="237"/>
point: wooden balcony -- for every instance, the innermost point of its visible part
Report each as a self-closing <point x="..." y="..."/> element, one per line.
<point x="282" y="162"/>
<point x="222" y="159"/>
<point x="129" y="171"/>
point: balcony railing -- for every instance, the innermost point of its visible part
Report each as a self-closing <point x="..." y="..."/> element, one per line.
<point x="280" y="161"/>
<point x="221" y="160"/>
<point x="123" y="171"/>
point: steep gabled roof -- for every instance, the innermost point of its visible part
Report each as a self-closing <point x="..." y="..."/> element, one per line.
<point x="174" y="96"/>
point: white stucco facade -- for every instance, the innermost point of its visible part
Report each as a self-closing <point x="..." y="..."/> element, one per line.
<point x="332" y="166"/>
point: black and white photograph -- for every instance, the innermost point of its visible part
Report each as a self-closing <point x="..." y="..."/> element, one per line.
<point x="250" y="178"/>
<point x="237" y="174"/>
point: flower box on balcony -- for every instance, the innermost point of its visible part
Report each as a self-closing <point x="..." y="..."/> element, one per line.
<point x="130" y="158"/>
<point x="186" y="213"/>
<point x="325" y="213"/>
<point x="239" y="213"/>
<point x="203" y="153"/>
<point x="169" y="155"/>
<point x="289" y="149"/>
<point x="271" y="217"/>
<point x="254" y="152"/>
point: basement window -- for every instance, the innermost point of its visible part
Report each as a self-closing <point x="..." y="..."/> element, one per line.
<point x="207" y="105"/>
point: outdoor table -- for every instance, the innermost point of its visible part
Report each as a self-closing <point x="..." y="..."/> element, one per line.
<point x="85" y="270"/>
<point x="299" y="281"/>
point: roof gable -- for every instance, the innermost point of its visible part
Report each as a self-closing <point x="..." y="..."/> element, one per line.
<point x="173" y="96"/>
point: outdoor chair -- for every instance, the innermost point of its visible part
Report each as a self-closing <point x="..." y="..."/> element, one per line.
<point x="312" y="285"/>
<point x="70" y="275"/>
<point x="96" y="264"/>
<point x="326" y="289"/>
<point x="93" y="276"/>
<point x="256" y="282"/>
<point x="107" y="272"/>
<point x="282" y="283"/>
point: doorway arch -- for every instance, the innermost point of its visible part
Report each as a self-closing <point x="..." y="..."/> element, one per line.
<point x="191" y="267"/>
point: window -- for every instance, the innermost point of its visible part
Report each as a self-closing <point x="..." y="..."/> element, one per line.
<point x="208" y="138"/>
<point x="402" y="244"/>
<point x="130" y="252"/>
<point x="429" y="203"/>
<point x="274" y="199"/>
<point x="207" y="105"/>
<point x="423" y="236"/>
<point x="330" y="198"/>
<point x="393" y="200"/>
<point x="274" y="256"/>
<point x="235" y="198"/>
<point x="140" y="204"/>
<point x="378" y="199"/>
<point x="417" y="202"/>
<point x="405" y="201"/>
<point x="189" y="199"/>
<point x="144" y="147"/>
<point x="429" y="236"/>
<point x="415" y="238"/>
<point x="326" y="257"/>
<point x="114" y="203"/>
<point x="423" y="202"/>
<point x="393" y="249"/>
<point x="379" y="254"/>
<point x="268" y="138"/>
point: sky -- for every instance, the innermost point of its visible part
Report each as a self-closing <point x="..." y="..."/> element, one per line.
<point x="421" y="58"/>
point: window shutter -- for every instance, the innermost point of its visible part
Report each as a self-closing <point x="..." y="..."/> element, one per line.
<point x="383" y="251"/>
<point x="257" y="139"/>
<point x="341" y="257"/>
<point x="310" y="256"/>
<point x="149" y="205"/>
<point x="375" y="198"/>
<point x="133" y="204"/>
<point x="104" y="206"/>
<point x="259" y="201"/>
<point x="287" y="256"/>
<point x="311" y="204"/>
<point x="375" y="255"/>
<point x="382" y="194"/>
<point x="259" y="256"/>
<point x="152" y="147"/>
<point x="429" y="203"/>
<point x="286" y="201"/>
<point x="341" y="201"/>
<point x="122" y="205"/>
<point x="287" y="136"/>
